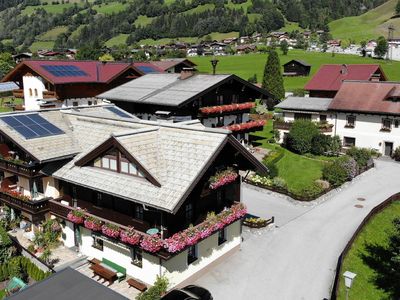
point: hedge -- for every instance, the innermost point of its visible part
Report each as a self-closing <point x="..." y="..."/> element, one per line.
<point x="26" y="266"/>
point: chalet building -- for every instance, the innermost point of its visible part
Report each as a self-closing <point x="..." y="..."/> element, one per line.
<point x="149" y="184"/>
<point x="217" y="100"/>
<point x="61" y="83"/>
<point x="296" y="67"/>
<point x="173" y="65"/>
<point x="327" y="81"/>
<point x="245" y="48"/>
<point x="363" y="114"/>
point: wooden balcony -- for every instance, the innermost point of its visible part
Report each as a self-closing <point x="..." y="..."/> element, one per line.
<point x="18" y="168"/>
<point x="18" y="93"/>
<point x="49" y="94"/>
<point x="35" y="208"/>
<point x="323" y="127"/>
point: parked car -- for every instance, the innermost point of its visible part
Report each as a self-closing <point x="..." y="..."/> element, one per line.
<point x="190" y="292"/>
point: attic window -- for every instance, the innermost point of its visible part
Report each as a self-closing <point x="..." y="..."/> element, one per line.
<point x="115" y="161"/>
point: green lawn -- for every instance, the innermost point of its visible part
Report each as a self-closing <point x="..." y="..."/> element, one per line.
<point x="41" y="45"/>
<point x="50" y="8"/>
<point x="52" y="34"/>
<point x="199" y="9"/>
<point x="247" y="65"/>
<point x="366" y="26"/>
<point x="376" y="232"/>
<point x="244" y="5"/>
<point x="143" y="21"/>
<point x="117" y="40"/>
<point x="110" y="8"/>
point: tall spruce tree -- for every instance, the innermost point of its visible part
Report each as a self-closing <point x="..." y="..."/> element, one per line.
<point x="273" y="80"/>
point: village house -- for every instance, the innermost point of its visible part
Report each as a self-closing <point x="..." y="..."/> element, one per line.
<point x="363" y="114"/>
<point x="245" y="48"/>
<point x="217" y="100"/>
<point x="61" y="83"/>
<point x="296" y="67"/>
<point x="146" y="198"/>
<point x="327" y="81"/>
<point x="173" y="65"/>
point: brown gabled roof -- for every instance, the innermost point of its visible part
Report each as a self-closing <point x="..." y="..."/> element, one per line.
<point x="368" y="97"/>
<point x="169" y="63"/>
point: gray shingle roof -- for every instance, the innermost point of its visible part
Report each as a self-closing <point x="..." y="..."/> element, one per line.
<point x="305" y="103"/>
<point x="163" y="89"/>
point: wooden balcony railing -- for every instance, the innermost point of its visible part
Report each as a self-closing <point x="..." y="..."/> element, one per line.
<point x="19" y="169"/>
<point x="30" y="206"/>
<point x="281" y="125"/>
<point x="49" y="94"/>
<point x="18" y="93"/>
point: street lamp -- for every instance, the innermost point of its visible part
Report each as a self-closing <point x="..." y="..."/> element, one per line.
<point x="348" y="281"/>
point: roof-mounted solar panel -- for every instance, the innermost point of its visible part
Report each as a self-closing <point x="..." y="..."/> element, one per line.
<point x="147" y="69"/>
<point x="31" y="126"/>
<point x="118" y="112"/>
<point x="64" y="70"/>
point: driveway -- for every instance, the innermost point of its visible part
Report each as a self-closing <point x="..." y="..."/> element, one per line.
<point x="297" y="259"/>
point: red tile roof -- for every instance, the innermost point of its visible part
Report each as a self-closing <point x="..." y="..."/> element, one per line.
<point x="93" y="71"/>
<point x="169" y="63"/>
<point x="148" y="67"/>
<point x="367" y="96"/>
<point x="330" y="77"/>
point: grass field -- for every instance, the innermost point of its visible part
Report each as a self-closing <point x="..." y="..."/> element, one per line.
<point x="244" y="5"/>
<point x="117" y="40"/>
<point x="199" y="9"/>
<point x="376" y="232"/>
<point x="52" y="34"/>
<point x="370" y="25"/>
<point x="214" y="36"/>
<point x="143" y="21"/>
<point x="50" y="8"/>
<point x="41" y="45"/>
<point x="246" y="66"/>
<point x="110" y="8"/>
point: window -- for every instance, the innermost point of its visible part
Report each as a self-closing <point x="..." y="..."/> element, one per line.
<point x="136" y="255"/>
<point x="89" y="102"/>
<point x="36" y="93"/>
<point x="30" y="93"/>
<point x="235" y="98"/>
<point x="97" y="243"/>
<point x="396" y="124"/>
<point x="192" y="254"/>
<point x="322" y="118"/>
<point x="221" y="236"/>
<point x="99" y="200"/>
<point x="116" y="161"/>
<point x="301" y="116"/>
<point x="189" y="212"/>
<point x="386" y="125"/>
<point x="38" y="182"/>
<point x="75" y="103"/>
<point x="349" y="141"/>
<point x="95" y="102"/>
<point x="220" y="100"/>
<point x="351" y="121"/>
<point x="139" y="212"/>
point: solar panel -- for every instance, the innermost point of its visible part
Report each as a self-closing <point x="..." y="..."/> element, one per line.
<point x="64" y="70"/>
<point x="118" y="112"/>
<point x="147" y="69"/>
<point x="31" y="126"/>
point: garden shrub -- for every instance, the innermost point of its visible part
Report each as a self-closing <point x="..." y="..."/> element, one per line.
<point x="279" y="183"/>
<point x="272" y="169"/>
<point x="263" y="180"/>
<point x="274" y="155"/>
<point x="335" y="174"/>
<point x="156" y="291"/>
<point x="323" y="184"/>
<point x="349" y="164"/>
<point x="361" y="156"/>
<point x="5" y="245"/>
<point x="300" y="136"/>
<point x="334" y="145"/>
<point x="320" y="144"/>
<point x="309" y="192"/>
<point x="396" y="154"/>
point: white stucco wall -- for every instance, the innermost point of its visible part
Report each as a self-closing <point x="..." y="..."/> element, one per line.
<point x="50" y="187"/>
<point x="367" y="131"/>
<point x="81" y="102"/>
<point x="32" y="82"/>
<point x="176" y="268"/>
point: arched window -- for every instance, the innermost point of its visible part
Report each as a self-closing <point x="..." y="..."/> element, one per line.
<point x="30" y="93"/>
<point x="36" y="93"/>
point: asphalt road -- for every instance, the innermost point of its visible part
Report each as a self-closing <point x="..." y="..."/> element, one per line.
<point x="297" y="259"/>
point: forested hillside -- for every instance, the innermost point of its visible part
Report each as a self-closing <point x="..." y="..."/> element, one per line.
<point x="73" y="23"/>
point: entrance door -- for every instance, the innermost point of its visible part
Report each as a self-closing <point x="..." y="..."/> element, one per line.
<point x="388" y="148"/>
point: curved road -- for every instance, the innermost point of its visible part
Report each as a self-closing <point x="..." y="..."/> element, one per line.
<point x="297" y="259"/>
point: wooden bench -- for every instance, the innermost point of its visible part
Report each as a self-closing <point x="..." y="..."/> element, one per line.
<point x="121" y="271"/>
<point x="136" y="284"/>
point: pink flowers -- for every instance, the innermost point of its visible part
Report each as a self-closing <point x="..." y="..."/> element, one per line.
<point x="151" y="243"/>
<point x="222" y="178"/>
<point x="110" y="230"/>
<point x="93" y="224"/>
<point x="246" y="126"/>
<point x="226" y="108"/>
<point x="76" y="216"/>
<point x="130" y="236"/>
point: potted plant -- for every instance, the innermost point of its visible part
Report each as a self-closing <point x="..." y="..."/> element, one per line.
<point x="130" y="236"/>
<point x="222" y="178"/>
<point x="151" y="243"/>
<point x="93" y="223"/>
<point x="76" y="216"/>
<point x="110" y="230"/>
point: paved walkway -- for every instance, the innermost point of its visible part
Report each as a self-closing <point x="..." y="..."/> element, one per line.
<point x="297" y="259"/>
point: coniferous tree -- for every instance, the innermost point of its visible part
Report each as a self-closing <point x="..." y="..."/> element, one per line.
<point x="273" y="80"/>
<point x="284" y="47"/>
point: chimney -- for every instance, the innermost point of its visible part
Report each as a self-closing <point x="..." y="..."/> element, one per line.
<point x="375" y="77"/>
<point x="344" y="69"/>
<point x="186" y="73"/>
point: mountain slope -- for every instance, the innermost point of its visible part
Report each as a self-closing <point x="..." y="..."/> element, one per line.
<point x="370" y="25"/>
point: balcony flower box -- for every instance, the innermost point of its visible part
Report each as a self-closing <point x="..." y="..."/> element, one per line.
<point x="255" y="222"/>
<point x="245" y="126"/>
<point x="130" y="236"/>
<point x="17" y="195"/>
<point x="226" y="108"/>
<point x="222" y="178"/>
<point x="110" y="230"/>
<point x="76" y="216"/>
<point x="93" y="224"/>
<point x="151" y="243"/>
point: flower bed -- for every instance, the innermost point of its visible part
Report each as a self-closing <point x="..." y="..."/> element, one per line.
<point x="222" y="178"/>
<point x="76" y="216"/>
<point x="93" y="224"/>
<point x="16" y="195"/>
<point x="110" y="230"/>
<point x="255" y="222"/>
<point x="226" y="108"/>
<point x="130" y="236"/>
<point x="246" y="126"/>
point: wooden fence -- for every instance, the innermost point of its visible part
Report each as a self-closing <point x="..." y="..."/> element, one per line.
<point x="346" y="249"/>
